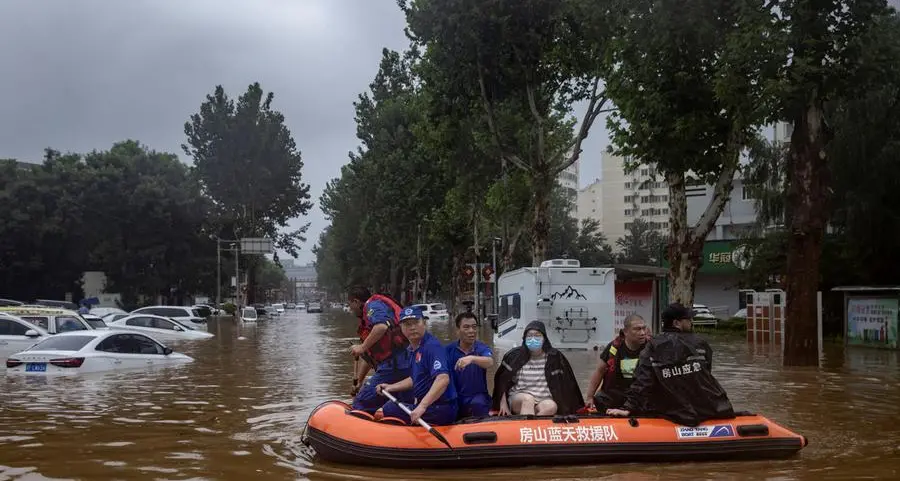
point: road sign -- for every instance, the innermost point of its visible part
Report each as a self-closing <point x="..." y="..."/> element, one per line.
<point x="256" y="245"/>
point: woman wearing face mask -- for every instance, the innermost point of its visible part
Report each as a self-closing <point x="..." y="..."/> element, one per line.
<point x="535" y="378"/>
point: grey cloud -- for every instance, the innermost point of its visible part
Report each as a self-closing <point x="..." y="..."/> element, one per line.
<point x="82" y="75"/>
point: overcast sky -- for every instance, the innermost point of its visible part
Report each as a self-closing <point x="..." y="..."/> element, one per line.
<point x="82" y="74"/>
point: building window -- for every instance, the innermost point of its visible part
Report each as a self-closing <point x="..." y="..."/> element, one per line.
<point x="747" y="193"/>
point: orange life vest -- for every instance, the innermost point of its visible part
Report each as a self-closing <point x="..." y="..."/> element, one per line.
<point x="391" y="341"/>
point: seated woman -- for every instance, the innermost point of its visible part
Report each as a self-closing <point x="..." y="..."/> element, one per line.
<point x="535" y="378"/>
<point x="429" y="379"/>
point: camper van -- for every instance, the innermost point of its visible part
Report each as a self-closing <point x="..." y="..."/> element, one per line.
<point x="582" y="307"/>
<point x="577" y="304"/>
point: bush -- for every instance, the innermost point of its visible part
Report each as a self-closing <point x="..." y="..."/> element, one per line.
<point x="230" y="308"/>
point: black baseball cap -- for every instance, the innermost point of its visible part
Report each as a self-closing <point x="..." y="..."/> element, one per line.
<point x="676" y="312"/>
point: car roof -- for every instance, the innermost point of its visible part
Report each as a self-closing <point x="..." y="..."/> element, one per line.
<point x="90" y="333"/>
<point x="38" y="310"/>
<point x="32" y="325"/>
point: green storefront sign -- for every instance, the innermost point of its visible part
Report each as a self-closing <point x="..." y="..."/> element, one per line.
<point x="723" y="257"/>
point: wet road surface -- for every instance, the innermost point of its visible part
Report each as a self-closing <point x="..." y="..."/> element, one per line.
<point x="238" y="411"/>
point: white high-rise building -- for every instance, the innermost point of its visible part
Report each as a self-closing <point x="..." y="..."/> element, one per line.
<point x="568" y="180"/>
<point x="641" y="194"/>
<point x="590" y="202"/>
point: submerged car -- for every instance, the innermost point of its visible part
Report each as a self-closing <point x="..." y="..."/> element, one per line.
<point x="158" y="326"/>
<point x="17" y="334"/>
<point x="92" y="351"/>
<point x="434" y="312"/>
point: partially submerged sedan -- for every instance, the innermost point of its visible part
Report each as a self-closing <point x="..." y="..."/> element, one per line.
<point x="92" y="351"/>
<point x="160" y="327"/>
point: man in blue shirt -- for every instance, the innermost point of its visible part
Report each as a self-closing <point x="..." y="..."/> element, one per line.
<point x="430" y="378"/>
<point x="470" y="359"/>
<point x="380" y="346"/>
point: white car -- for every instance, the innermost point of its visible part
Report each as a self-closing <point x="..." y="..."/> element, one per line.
<point x="159" y="327"/>
<point x="314" y="307"/>
<point x="249" y="314"/>
<point x="185" y="315"/>
<point x="279" y="308"/>
<point x="106" y="311"/>
<point x="92" y="351"/>
<point x="96" y="322"/>
<point x="434" y="312"/>
<point x="17" y="334"/>
<point x="51" y="319"/>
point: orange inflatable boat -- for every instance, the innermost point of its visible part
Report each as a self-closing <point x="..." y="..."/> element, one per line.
<point x="341" y="435"/>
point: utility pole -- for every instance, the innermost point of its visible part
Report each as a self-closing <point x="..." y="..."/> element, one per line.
<point x="218" y="275"/>
<point x="496" y="293"/>
<point x="237" y="275"/>
<point x="477" y="273"/>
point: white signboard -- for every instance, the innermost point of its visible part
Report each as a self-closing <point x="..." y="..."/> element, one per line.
<point x="568" y="434"/>
<point x="718" y="431"/>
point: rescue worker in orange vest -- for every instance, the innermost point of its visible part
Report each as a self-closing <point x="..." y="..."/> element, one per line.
<point x="617" y="364"/>
<point x="382" y="346"/>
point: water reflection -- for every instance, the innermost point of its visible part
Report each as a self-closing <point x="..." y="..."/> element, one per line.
<point x="238" y="411"/>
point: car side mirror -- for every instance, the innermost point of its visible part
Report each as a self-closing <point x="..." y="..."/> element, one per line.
<point x="167" y="351"/>
<point x="32" y="333"/>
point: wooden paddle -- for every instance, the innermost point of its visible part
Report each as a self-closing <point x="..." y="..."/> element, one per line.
<point x="422" y="422"/>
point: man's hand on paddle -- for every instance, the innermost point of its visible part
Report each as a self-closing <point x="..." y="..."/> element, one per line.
<point x="357" y="350"/>
<point x="379" y="389"/>
<point x="617" y="412"/>
<point x="416" y="414"/>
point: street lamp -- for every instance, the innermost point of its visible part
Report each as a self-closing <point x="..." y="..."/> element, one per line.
<point x="494" y="243"/>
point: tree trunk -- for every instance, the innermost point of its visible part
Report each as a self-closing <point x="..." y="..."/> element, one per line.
<point x="394" y="274"/>
<point x="404" y="289"/>
<point x="540" y="227"/>
<point x="806" y="217"/>
<point x="686" y="242"/>
<point x="455" y="281"/>
<point x="427" y="284"/>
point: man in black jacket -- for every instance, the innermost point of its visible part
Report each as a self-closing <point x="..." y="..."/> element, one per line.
<point x="674" y="376"/>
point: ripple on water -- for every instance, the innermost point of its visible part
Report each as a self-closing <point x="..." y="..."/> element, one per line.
<point x="237" y="414"/>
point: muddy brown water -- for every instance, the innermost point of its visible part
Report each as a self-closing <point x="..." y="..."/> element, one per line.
<point x="238" y="411"/>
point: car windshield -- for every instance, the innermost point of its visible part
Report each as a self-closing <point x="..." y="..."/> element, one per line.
<point x="185" y="326"/>
<point x="62" y="343"/>
<point x="197" y="313"/>
<point x="249" y="313"/>
<point x="438" y="307"/>
<point x="96" y="323"/>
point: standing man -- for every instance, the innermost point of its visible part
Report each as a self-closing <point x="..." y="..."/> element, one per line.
<point x="617" y="364"/>
<point x="470" y="359"/>
<point x="382" y="346"/>
<point x="674" y="376"/>
<point x="430" y="377"/>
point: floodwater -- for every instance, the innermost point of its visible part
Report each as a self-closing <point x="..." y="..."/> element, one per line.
<point x="238" y="411"/>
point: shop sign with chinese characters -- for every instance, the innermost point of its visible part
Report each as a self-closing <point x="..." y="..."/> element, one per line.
<point x="567" y="434"/>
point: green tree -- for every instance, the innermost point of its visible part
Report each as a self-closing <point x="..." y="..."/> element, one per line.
<point x="689" y="88"/>
<point x="826" y="40"/>
<point x="386" y="191"/>
<point x="250" y="168"/>
<point x="42" y="247"/>
<point x="146" y="222"/>
<point x="641" y="244"/>
<point x="523" y="64"/>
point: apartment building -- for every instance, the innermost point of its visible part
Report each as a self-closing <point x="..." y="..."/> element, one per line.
<point x="640" y="194"/>
<point x="590" y="202"/>
<point x="568" y="180"/>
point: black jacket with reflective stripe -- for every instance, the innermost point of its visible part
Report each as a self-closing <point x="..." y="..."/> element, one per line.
<point x="674" y="380"/>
